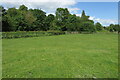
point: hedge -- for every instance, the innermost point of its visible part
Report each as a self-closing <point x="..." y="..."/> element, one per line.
<point x="23" y="34"/>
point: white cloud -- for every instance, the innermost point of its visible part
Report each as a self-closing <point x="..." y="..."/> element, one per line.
<point x="73" y="10"/>
<point x="104" y="22"/>
<point x="47" y="5"/>
<point x="97" y="0"/>
<point x="91" y="18"/>
<point x="78" y="15"/>
<point x="50" y="6"/>
<point x="50" y="13"/>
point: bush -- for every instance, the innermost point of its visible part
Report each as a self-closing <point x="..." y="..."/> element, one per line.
<point x="87" y="27"/>
<point x="22" y="34"/>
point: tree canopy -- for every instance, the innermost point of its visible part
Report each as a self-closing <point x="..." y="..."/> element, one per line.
<point x="24" y="19"/>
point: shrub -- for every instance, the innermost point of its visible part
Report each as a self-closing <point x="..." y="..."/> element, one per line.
<point x="87" y="27"/>
<point x="21" y="34"/>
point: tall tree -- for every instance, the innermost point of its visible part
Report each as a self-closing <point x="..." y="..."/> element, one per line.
<point x="12" y="16"/>
<point x="48" y="21"/>
<point x="4" y="20"/>
<point x="84" y="17"/>
<point x="110" y="28"/>
<point x="98" y="26"/>
<point x="30" y="19"/>
<point x="72" y="22"/>
<point x="62" y="15"/>
<point x="87" y="27"/>
<point x="40" y="16"/>
<point x="23" y="8"/>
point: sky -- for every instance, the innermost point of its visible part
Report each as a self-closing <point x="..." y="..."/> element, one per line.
<point x="103" y="11"/>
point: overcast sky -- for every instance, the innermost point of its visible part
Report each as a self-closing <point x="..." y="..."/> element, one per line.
<point x="103" y="11"/>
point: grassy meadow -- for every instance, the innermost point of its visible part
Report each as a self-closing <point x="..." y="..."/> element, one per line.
<point x="61" y="56"/>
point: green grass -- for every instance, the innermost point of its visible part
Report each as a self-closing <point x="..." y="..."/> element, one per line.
<point x="63" y="56"/>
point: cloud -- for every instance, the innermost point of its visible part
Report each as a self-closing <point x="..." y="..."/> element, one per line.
<point x="92" y="18"/>
<point x="78" y="15"/>
<point x="104" y="22"/>
<point x="47" y="5"/>
<point x="50" y="13"/>
<point x="73" y="10"/>
<point x="97" y="0"/>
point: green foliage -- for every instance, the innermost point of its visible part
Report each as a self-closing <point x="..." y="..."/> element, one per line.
<point x="98" y="26"/>
<point x="39" y="24"/>
<point x="12" y="15"/>
<point x="24" y="19"/>
<point x="87" y="27"/>
<point x="5" y="24"/>
<point x="22" y="34"/>
<point x="113" y="28"/>
<point x="23" y="8"/>
<point x="72" y="22"/>
<point x="62" y="14"/>
<point x="84" y="17"/>
<point x="48" y="21"/>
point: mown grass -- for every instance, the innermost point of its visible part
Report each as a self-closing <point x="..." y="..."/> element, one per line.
<point x="63" y="56"/>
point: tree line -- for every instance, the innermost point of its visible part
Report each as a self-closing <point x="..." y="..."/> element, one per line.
<point x="24" y="19"/>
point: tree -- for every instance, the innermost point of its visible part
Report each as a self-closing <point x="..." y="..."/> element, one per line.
<point x="23" y="8"/>
<point x="11" y="17"/>
<point x="84" y="17"/>
<point x="24" y="19"/>
<point x="98" y="26"/>
<point x="110" y="28"/>
<point x="5" y="24"/>
<point x="114" y="28"/>
<point x="40" y="16"/>
<point x="30" y="19"/>
<point x="2" y="11"/>
<point x="87" y="27"/>
<point x="62" y="15"/>
<point x="48" y="21"/>
<point x="72" y="22"/>
<point x="3" y="19"/>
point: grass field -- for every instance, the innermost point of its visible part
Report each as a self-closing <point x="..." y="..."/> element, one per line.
<point x="63" y="56"/>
